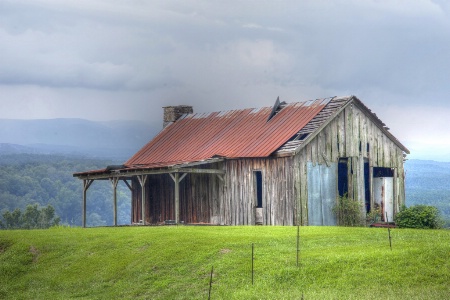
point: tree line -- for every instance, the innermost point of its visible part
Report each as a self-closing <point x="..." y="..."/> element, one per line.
<point x="34" y="217"/>
<point x="47" y="180"/>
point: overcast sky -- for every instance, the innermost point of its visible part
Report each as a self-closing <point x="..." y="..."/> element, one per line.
<point x="108" y="60"/>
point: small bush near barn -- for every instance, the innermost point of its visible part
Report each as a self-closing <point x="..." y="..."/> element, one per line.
<point x="374" y="216"/>
<point x="419" y="216"/>
<point x="348" y="212"/>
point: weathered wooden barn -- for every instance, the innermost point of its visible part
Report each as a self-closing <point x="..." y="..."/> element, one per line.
<point x="280" y="165"/>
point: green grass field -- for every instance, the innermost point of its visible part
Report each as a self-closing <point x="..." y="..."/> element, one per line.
<point x="175" y="263"/>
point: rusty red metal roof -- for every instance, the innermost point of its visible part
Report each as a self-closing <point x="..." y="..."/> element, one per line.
<point x="229" y="134"/>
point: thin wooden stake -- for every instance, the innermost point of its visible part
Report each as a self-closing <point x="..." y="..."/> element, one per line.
<point x="210" y="283"/>
<point x="298" y="242"/>
<point x="253" y="251"/>
<point x="389" y="232"/>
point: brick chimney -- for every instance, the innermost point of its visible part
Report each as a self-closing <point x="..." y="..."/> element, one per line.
<point x="173" y="113"/>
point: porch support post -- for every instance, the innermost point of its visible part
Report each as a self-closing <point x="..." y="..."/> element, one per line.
<point x="177" y="179"/>
<point x="114" y="182"/>
<point x="86" y="184"/>
<point x="128" y="185"/>
<point x="177" y="198"/>
<point x="142" y="180"/>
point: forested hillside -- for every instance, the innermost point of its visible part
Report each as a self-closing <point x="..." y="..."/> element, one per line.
<point x="47" y="179"/>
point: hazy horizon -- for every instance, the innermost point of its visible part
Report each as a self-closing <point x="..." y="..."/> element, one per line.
<point x="109" y="60"/>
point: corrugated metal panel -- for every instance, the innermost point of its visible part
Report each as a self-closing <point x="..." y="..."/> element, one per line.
<point x="231" y="134"/>
<point x="321" y="194"/>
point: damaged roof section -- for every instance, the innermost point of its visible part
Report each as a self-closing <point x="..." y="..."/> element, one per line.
<point x="231" y="134"/>
<point x="332" y="106"/>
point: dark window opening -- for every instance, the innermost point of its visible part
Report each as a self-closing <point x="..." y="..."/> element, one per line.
<point x="343" y="176"/>
<point x="303" y="136"/>
<point x="258" y="180"/>
<point x="299" y="137"/>
<point x="383" y="172"/>
<point x="367" y="184"/>
<point x="360" y="147"/>
<point x="368" y="148"/>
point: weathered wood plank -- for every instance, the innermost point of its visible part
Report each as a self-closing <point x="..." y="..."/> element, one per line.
<point x="321" y="140"/>
<point x="348" y="132"/>
<point x="356" y="137"/>
<point x="341" y="134"/>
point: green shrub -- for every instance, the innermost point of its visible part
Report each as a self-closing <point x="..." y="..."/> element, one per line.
<point x="32" y="218"/>
<point x="374" y="215"/>
<point x="446" y="223"/>
<point x="419" y="216"/>
<point x="348" y="212"/>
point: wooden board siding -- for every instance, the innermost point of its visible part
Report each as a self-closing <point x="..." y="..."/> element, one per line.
<point x="350" y="134"/>
<point x="279" y="191"/>
<point x="135" y="201"/>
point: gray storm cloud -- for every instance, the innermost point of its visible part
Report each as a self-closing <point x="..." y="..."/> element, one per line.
<point x="125" y="60"/>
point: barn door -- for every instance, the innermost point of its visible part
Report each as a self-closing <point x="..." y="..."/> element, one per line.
<point x="322" y="194"/>
<point x="383" y="191"/>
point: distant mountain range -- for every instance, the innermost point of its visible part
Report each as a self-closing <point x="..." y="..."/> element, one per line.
<point x="114" y="139"/>
<point x="428" y="182"/>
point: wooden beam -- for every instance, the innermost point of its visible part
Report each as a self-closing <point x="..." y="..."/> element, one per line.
<point x="203" y="162"/>
<point x="86" y="184"/>
<point x="128" y="185"/>
<point x="177" y="179"/>
<point x="114" y="182"/>
<point x="128" y="174"/>
<point x="142" y="180"/>
<point x="200" y="171"/>
<point x="182" y="177"/>
<point x="327" y="162"/>
<point x="220" y="177"/>
<point x="177" y="198"/>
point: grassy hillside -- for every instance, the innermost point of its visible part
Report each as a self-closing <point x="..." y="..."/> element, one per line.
<point x="175" y="263"/>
